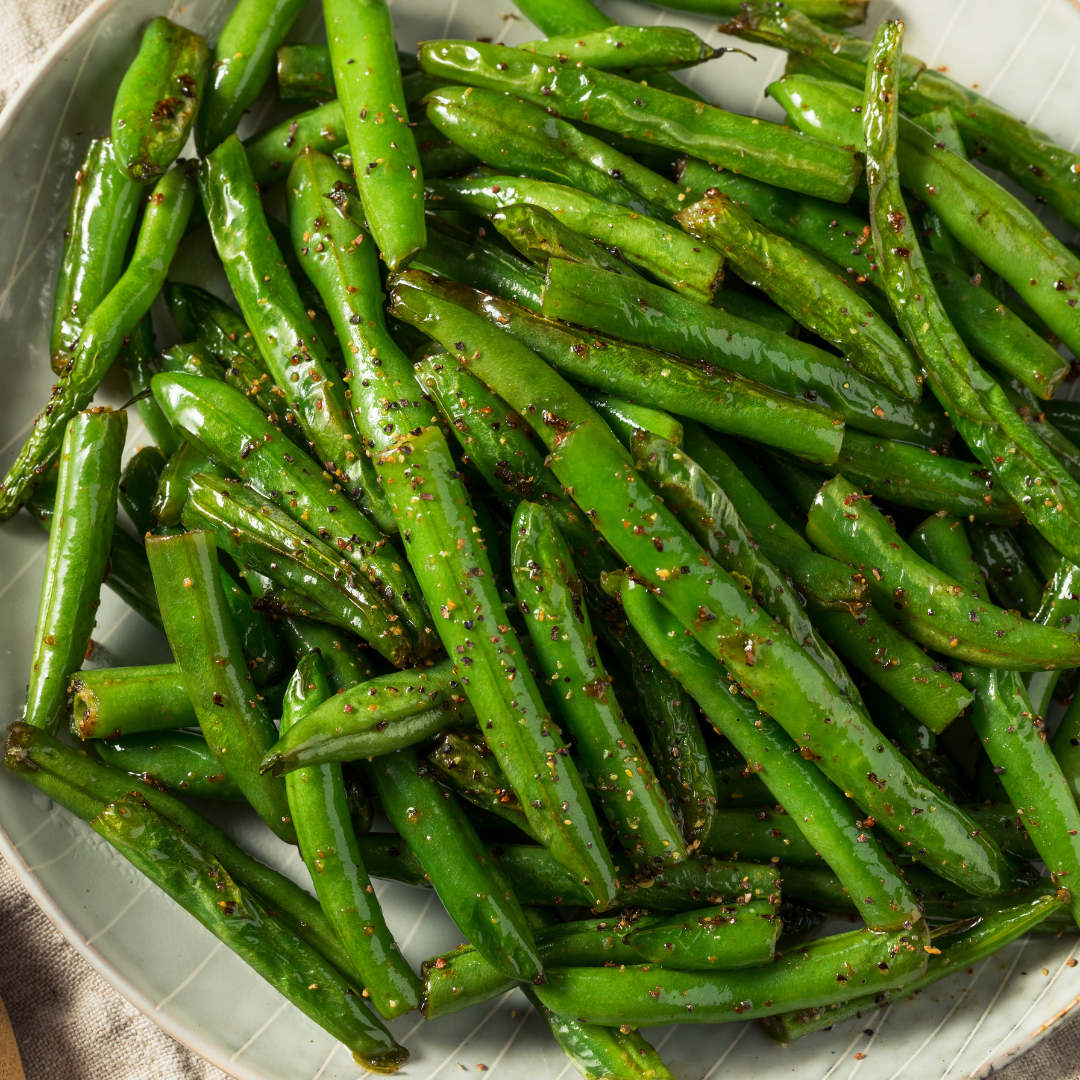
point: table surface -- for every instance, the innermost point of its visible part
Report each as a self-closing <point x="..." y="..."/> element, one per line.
<point x="69" y="1023"/>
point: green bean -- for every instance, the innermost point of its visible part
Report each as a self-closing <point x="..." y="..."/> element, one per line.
<point x="469" y="882"/>
<point x="666" y="252"/>
<point x="110" y="702"/>
<point x="203" y="317"/>
<point x="190" y="359"/>
<point x="621" y="48"/>
<point x="589" y="462"/>
<point x="758" y="148"/>
<point x="721" y="399"/>
<point x="931" y="607"/>
<point x="1013" y="583"/>
<point x="645" y="314"/>
<point x="807" y="290"/>
<point x="375" y="717"/>
<point x="1059" y="607"/>
<point x="737" y="783"/>
<point x="204" y="888"/>
<point x="368" y="82"/>
<point x="896" y="664"/>
<point x="464" y="764"/>
<point x="953" y="948"/>
<point x="827" y="584"/>
<point x="158" y="99"/>
<point x="266" y="539"/>
<point x="704" y="509"/>
<point x="167" y="212"/>
<point x="824" y="816"/>
<point x="104" y="205"/>
<point x="243" y="61"/>
<point x="295" y="356"/>
<point x="84" y="786"/>
<point x="438" y="155"/>
<point x="249" y="376"/>
<point x="735" y="936"/>
<point x="480" y="265"/>
<point x="344" y="662"/>
<point x="551" y="594"/>
<point x="80" y="534"/>
<point x="995" y="136"/>
<point x="171" y="496"/>
<point x="272" y="152"/>
<point x="305" y="73"/>
<point x="138" y="485"/>
<point x="984" y="218"/>
<point x="235" y="433"/>
<point x="181" y="762"/>
<point x="816" y="974"/>
<point x="513" y="136"/>
<point x="915" y="476"/>
<point x="1031" y="411"/>
<point x="767" y="834"/>
<point x="262" y="652"/>
<point x="320" y="811"/>
<point x="207" y="648"/>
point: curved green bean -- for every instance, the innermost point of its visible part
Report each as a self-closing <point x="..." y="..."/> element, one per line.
<point x="158" y="99"/>
<point x="181" y="762"/>
<point x="138" y="485"/>
<point x="171" y="495"/>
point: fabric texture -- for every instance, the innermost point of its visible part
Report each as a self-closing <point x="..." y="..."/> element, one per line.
<point x="69" y="1023"/>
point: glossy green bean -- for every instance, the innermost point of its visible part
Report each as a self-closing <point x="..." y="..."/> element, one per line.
<point x="84" y="786"/>
<point x="138" y="485"/>
<point x="621" y="48"/>
<point x="737" y="784"/>
<point x="825" y="817"/>
<point x="588" y="461"/>
<point x="716" y="939"/>
<point x="167" y="212"/>
<point x="922" y="685"/>
<point x="954" y="947"/>
<point x="305" y="73"/>
<point x="264" y="538"/>
<point x="203" y="317"/>
<point x="1012" y="581"/>
<point x="198" y="881"/>
<point x="80" y="534"/>
<point x="767" y="834"/>
<point x="271" y="152"/>
<point x="110" y="702"/>
<point x="171" y="495"/>
<point x="181" y="762"/>
<point x="343" y="655"/>
<point x="685" y="265"/>
<point x="648" y="315"/>
<point x="236" y="724"/>
<point x="914" y="476"/>
<point x="235" y="433"/>
<point x="551" y="595"/>
<point x="243" y="60"/>
<point x="1031" y="411"/>
<point x="723" y="400"/>
<point x="158" y="99"/>
<point x="462" y="762"/>
<point x="815" y="974"/>
<point x="1059" y="607"/>
<point x="320" y="812"/>
<point x="931" y="607"/>
<point x="1028" y="156"/>
<point x="438" y="155"/>
<point x="375" y="717"/>
<point x="807" y="290"/>
<point x="704" y="509"/>
<point x="104" y="205"/>
<point x="368" y="81"/>
<point x="827" y="584"/>
<point x="758" y="148"/>
<point x="294" y="354"/>
<point x="190" y="359"/>
<point x="626" y="417"/>
<point x="469" y="882"/>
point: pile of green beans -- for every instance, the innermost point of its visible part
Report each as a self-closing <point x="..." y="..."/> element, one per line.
<point x="569" y="506"/>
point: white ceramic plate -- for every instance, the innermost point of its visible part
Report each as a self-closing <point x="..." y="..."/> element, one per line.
<point x="147" y="947"/>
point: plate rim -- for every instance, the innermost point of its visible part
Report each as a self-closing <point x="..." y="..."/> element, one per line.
<point x="183" y="1033"/>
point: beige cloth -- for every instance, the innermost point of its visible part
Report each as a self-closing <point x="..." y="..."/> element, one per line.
<point x="70" y="1024"/>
